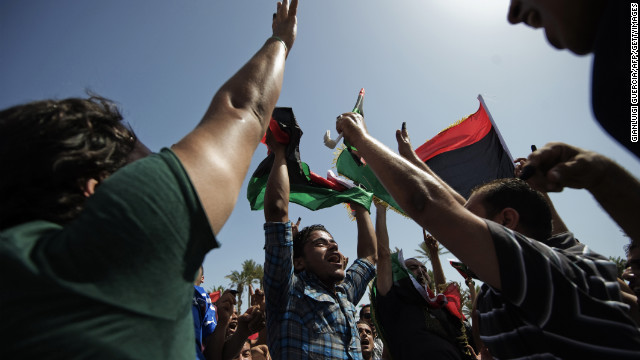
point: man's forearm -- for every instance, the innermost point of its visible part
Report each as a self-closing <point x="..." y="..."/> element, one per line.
<point x="619" y="196"/>
<point x="276" y="196"/>
<point x="385" y="277"/>
<point x="366" y="235"/>
<point x="431" y="205"/>
<point x="415" y="160"/>
<point x="438" y="274"/>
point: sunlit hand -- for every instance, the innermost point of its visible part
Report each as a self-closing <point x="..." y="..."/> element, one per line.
<point x="285" y="23"/>
<point x="351" y="126"/>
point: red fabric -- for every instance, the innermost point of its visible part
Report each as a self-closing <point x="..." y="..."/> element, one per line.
<point x="215" y="296"/>
<point x="454" y="304"/>
<point x="319" y="180"/>
<point x="469" y="131"/>
<point x="280" y="136"/>
<point x="253" y="337"/>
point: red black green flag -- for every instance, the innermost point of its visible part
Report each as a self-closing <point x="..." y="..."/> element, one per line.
<point x="470" y="152"/>
<point x="306" y="188"/>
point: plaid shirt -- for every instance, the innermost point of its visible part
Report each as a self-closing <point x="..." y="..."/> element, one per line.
<point x="304" y="319"/>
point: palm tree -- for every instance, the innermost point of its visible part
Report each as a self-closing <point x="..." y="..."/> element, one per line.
<point x="238" y="279"/>
<point x="216" y="288"/>
<point x="621" y="264"/>
<point x="253" y="274"/>
<point x="424" y="252"/>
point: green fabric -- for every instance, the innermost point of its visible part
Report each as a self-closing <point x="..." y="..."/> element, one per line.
<point x="362" y="174"/>
<point x="117" y="282"/>
<point x="310" y="196"/>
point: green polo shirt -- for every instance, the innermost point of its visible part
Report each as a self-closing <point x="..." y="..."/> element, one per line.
<point x="117" y="282"/>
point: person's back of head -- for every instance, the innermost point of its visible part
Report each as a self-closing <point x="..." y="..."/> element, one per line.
<point x="532" y="207"/>
<point x="49" y="149"/>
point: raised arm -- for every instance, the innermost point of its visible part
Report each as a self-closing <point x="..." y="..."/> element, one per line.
<point x="217" y="153"/>
<point x="427" y="201"/>
<point x="405" y="149"/>
<point x="558" y="165"/>
<point x="276" y="196"/>
<point x="557" y="225"/>
<point x="366" y="235"/>
<point x="385" y="277"/>
<point x="432" y="247"/>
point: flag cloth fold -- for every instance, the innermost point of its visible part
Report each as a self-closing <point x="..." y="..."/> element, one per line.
<point x="470" y="152"/>
<point x="306" y="188"/>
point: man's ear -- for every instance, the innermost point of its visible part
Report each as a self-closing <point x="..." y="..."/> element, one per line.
<point x="509" y="218"/>
<point x="89" y="187"/>
<point x="298" y="264"/>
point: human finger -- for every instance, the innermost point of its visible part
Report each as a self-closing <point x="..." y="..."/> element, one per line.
<point x="293" y="8"/>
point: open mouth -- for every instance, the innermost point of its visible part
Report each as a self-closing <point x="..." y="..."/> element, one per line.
<point x="335" y="258"/>
<point x="233" y="325"/>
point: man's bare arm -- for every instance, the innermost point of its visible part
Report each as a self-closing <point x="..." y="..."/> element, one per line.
<point x="217" y="153"/>
<point x="276" y="196"/>
<point x="405" y="149"/>
<point x="433" y="248"/>
<point x="558" y="165"/>
<point x="385" y="276"/>
<point x="366" y="235"/>
<point x="427" y="201"/>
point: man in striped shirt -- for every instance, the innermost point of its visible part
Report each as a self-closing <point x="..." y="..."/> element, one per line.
<point x="558" y="298"/>
<point x="544" y="302"/>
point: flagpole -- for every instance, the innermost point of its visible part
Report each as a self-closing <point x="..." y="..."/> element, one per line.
<point x="495" y="128"/>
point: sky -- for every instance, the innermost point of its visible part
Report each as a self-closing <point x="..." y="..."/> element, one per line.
<point x="420" y="61"/>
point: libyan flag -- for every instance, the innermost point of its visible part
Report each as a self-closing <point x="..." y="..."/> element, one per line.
<point x="306" y="188"/>
<point x="470" y="152"/>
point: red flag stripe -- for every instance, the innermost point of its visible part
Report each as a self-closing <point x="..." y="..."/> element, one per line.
<point x="467" y="132"/>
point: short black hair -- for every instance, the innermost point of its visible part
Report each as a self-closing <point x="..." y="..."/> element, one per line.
<point x="302" y="236"/>
<point x="362" y="309"/>
<point x="531" y="205"/>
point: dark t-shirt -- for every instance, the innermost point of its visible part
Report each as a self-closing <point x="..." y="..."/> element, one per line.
<point x="117" y="282"/>
<point x="402" y="313"/>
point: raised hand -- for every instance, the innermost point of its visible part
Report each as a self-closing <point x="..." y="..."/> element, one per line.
<point x="404" y="143"/>
<point x="351" y="125"/>
<point x="285" y="23"/>
<point x="253" y="320"/>
<point x="257" y="299"/>
<point x="559" y="165"/>
<point x="430" y="241"/>
<point x="295" y="227"/>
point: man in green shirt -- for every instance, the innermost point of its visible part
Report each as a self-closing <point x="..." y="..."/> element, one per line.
<point x="98" y="252"/>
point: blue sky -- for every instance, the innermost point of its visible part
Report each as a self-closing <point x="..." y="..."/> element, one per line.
<point x="420" y="61"/>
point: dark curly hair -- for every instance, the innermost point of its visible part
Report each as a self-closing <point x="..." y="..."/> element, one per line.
<point x="531" y="205"/>
<point x="302" y="236"/>
<point x="50" y="148"/>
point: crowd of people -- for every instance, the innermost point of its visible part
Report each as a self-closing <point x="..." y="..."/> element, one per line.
<point x="94" y="220"/>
